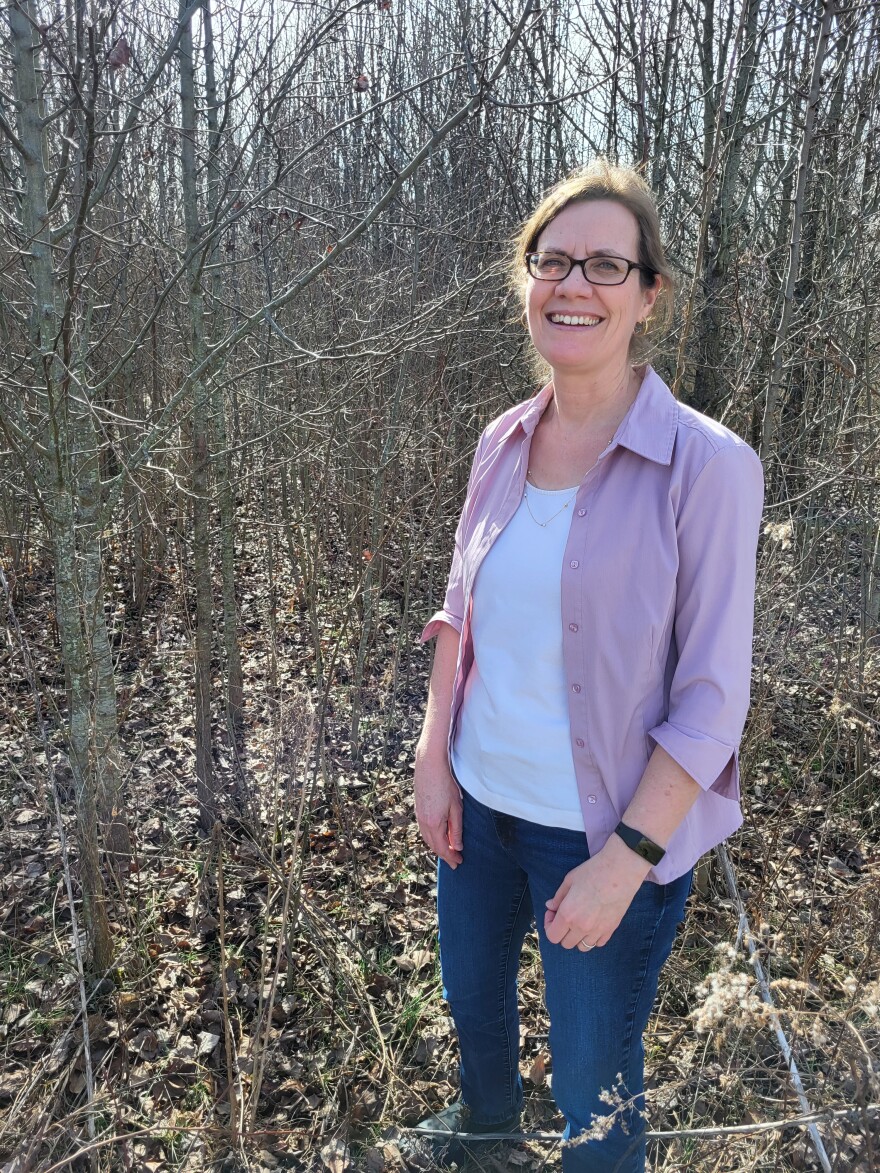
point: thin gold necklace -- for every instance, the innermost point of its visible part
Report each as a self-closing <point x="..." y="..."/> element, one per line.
<point x="542" y="524"/>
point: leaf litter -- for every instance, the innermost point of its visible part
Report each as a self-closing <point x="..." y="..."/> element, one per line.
<point x="338" y="1012"/>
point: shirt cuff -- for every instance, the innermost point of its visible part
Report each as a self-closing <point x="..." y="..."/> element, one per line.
<point x="712" y="764"/>
<point x="433" y="624"/>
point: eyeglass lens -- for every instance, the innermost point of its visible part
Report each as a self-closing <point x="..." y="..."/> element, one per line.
<point x="599" y="270"/>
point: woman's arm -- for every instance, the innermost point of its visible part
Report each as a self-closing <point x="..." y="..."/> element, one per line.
<point x="598" y="893"/>
<point x="664" y="796"/>
<point x="438" y="800"/>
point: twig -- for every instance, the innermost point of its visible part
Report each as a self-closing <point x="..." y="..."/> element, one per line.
<point x="744" y="932"/>
<point x="250" y="1134"/>
<point x="235" y="1123"/>
<point x="806" y="1120"/>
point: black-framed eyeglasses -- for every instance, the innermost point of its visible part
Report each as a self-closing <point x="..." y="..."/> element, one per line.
<point x="553" y="266"/>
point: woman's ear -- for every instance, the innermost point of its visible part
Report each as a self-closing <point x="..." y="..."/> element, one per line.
<point x="651" y="294"/>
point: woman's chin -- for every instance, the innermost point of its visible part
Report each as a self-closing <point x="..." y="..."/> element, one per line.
<point x="578" y="364"/>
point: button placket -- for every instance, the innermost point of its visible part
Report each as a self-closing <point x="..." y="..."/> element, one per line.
<point x="572" y="606"/>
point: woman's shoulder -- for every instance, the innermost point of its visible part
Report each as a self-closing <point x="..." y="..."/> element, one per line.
<point x="713" y="465"/>
<point x="700" y="438"/>
<point x="690" y="444"/>
<point x="522" y="415"/>
<point x="703" y="431"/>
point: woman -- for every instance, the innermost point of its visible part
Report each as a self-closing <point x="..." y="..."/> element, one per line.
<point x="590" y="681"/>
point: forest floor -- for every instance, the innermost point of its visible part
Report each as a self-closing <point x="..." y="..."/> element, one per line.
<point x="276" y="1000"/>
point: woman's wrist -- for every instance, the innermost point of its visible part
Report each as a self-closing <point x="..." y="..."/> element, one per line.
<point x="432" y="751"/>
<point x="621" y="856"/>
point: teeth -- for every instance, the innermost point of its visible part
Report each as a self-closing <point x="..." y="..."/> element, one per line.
<point x="570" y="320"/>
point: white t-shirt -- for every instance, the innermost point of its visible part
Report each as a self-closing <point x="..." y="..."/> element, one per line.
<point x="512" y="748"/>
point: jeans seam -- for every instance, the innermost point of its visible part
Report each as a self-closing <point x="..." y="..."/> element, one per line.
<point x="628" y="1035"/>
<point x="512" y="1061"/>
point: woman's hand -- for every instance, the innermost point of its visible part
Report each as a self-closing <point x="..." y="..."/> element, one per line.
<point x="592" y="899"/>
<point x="438" y="808"/>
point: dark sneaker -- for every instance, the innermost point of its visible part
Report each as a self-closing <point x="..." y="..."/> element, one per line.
<point x="464" y="1132"/>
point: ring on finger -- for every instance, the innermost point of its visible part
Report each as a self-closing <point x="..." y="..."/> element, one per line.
<point x="584" y="947"/>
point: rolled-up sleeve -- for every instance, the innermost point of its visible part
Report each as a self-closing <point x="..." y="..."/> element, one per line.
<point x="452" y="611"/>
<point x="717" y="531"/>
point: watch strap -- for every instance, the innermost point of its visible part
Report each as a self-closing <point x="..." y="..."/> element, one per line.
<point x="640" y="843"/>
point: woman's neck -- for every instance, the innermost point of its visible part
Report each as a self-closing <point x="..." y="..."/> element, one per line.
<point x="592" y="403"/>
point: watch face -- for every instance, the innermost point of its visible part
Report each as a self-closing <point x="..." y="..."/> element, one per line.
<point x="650" y="851"/>
<point x="640" y="844"/>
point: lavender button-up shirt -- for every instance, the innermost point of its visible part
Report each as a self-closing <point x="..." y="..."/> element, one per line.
<point x="658" y="587"/>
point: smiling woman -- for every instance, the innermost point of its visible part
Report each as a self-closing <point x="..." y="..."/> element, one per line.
<point x="590" y="681"/>
<point x="595" y="345"/>
<point x="626" y="189"/>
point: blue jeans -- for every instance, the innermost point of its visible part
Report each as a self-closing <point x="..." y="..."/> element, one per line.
<point x="599" y="1001"/>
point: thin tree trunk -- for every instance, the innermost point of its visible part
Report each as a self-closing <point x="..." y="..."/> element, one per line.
<point x="770" y="425"/>
<point x="57" y="484"/>
<point x="222" y="464"/>
<point x="201" y="453"/>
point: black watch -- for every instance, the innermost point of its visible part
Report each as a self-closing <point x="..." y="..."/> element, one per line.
<point x="640" y="843"/>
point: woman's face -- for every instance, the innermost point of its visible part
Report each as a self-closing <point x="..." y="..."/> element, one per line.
<point x="600" y="342"/>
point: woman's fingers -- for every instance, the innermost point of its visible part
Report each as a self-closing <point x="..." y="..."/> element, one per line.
<point x="438" y="810"/>
<point x="438" y="841"/>
<point x="454" y="825"/>
<point x="449" y="840"/>
<point x="556" y="932"/>
<point x="443" y="836"/>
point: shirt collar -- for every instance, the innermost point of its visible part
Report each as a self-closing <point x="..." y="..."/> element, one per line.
<point x="648" y="428"/>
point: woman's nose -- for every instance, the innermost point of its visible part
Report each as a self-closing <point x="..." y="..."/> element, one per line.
<point x="575" y="279"/>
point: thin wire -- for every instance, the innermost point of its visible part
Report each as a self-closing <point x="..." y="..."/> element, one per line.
<point x="744" y="932"/>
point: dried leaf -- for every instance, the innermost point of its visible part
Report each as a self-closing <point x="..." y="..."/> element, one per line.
<point x="207" y="1042"/>
<point x="26" y="815"/>
<point x="11" y="1083"/>
<point x="412" y="961"/>
<point x="127" y="1002"/>
<point x="538" y="1070"/>
<point x="145" y="1043"/>
<point x="336" y="1156"/>
<point x="374" y="1161"/>
<point x="838" y="868"/>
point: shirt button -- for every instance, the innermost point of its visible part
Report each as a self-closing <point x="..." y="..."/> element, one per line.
<point x="579" y="742"/>
<point x="582" y="512"/>
<point x="575" y="688"/>
<point x="574" y="565"/>
<point x="591" y="798"/>
<point x="572" y="627"/>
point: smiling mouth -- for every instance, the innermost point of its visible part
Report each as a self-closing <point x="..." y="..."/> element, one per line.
<point x="581" y="320"/>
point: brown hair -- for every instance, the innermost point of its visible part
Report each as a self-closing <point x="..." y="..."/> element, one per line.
<point x="601" y="180"/>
